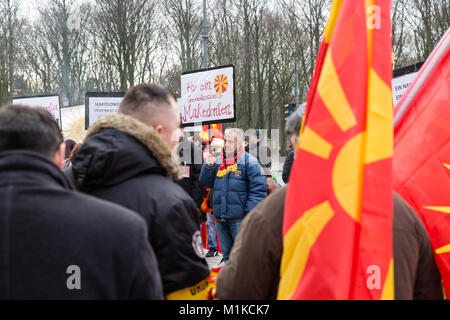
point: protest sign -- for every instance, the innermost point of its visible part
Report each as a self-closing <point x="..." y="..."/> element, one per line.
<point x="98" y="104"/>
<point x="50" y="103"/>
<point x="207" y="96"/>
<point x="400" y="84"/>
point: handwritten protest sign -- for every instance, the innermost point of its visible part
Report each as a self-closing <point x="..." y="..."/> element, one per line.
<point x="98" y="104"/>
<point x="207" y="96"/>
<point x="50" y="103"/>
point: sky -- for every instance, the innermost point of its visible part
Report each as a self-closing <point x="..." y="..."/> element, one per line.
<point x="29" y="7"/>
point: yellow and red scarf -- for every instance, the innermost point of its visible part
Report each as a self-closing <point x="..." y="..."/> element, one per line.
<point x="229" y="164"/>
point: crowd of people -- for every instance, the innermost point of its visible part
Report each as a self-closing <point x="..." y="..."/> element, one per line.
<point x="118" y="217"/>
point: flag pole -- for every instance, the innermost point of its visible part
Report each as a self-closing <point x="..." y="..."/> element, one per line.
<point x="205" y="57"/>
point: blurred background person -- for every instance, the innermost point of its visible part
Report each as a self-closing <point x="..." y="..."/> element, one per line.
<point x="217" y="149"/>
<point x="293" y="125"/>
<point x="191" y="161"/>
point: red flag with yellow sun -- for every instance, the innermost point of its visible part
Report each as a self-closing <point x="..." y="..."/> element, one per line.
<point x="337" y="228"/>
<point x="422" y="151"/>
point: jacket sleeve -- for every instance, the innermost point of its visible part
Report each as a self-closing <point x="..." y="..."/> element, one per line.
<point x="176" y="239"/>
<point x="197" y="188"/>
<point x="208" y="175"/>
<point x="257" y="189"/>
<point x="146" y="282"/>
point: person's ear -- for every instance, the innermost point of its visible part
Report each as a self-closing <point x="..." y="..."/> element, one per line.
<point x="58" y="157"/>
<point x="159" y="128"/>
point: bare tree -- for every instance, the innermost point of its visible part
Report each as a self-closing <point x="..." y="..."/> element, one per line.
<point x="224" y="39"/>
<point x="10" y="37"/>
<point x="61" y="34"/>
<point x="124" y="36"/>
<point x="184" y="25"/>
<point x="428" y="20"/>
<point x="400" y="32"/>
<point x="225" y="47"/>
<point x="40" y="61"/>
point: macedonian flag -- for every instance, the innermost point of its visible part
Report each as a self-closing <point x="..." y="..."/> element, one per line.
<point x="422" y="151"/>
<point x="337" y="228"/>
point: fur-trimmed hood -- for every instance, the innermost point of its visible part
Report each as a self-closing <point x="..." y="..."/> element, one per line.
<point x="118" y="147"/>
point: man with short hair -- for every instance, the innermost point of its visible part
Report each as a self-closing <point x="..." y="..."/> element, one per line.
<point x="127" y="158"/>
<point x="56" y="243"/>
<point x="238" y="184"/>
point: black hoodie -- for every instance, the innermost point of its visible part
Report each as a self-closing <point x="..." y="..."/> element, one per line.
<point x="47" y="230"/>
<point x="126" y="162"/>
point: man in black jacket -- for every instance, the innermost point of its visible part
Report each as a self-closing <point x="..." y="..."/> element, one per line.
<point x="191" y="161"/>
<point x="56" y="243"/>
<point x="127" y="158"/>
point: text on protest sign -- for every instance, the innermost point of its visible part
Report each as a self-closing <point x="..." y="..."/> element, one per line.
<point x="399" y="86"/>
<point x="99" y="104"/>
<point x="207" y="96"/>
<point x="47" y="102"/>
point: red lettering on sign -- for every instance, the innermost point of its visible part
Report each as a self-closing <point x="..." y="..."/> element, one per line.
<point x="203" y="112"/>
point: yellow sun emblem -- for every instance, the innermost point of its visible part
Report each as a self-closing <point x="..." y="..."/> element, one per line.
<point x="73" y="123"/>
<point x="441" y="209"/>
<point x="221" y="83"/>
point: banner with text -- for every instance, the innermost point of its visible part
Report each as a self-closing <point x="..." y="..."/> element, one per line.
<point x="207" y="96"/>
<point x="400" y="84"/>
<point x="98" y="104"/>
<point x="48" y="102"/>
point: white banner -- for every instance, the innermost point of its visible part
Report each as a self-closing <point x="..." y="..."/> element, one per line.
<point x="99" y="104"/>
<point x="399" y="86"/>
<point x="208" y="96"/>
<point x="48" y="102"/>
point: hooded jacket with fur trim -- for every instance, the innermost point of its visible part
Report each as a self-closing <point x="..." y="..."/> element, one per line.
<point x="125" y="161"/>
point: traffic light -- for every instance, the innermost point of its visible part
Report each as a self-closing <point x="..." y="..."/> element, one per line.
<point x="290" y="109"/>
